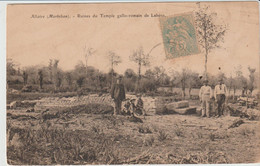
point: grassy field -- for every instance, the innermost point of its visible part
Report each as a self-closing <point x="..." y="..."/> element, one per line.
<point x="81" y="138"/>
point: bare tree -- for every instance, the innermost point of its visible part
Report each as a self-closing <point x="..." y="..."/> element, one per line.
<point x="114" y="61"/>
<point x="141" y="59"/>
<point x="87" y="53"/>
<point x="209" y="33"/>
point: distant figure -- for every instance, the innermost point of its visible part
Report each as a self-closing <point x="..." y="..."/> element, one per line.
<point x="126" y="109"/>
<point x="205" y="95"/>
<point x="140" y="105"/>
<point x="118" y="95"/>
<point x="220" y="96"/>
<point x="132" y="107"/>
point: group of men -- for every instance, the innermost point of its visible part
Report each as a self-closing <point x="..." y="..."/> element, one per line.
<point x="118" y="96"/>
<point x="206" y="95"/>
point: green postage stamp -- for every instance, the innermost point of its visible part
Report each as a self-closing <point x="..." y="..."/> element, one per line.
<point x="179" y="35"/>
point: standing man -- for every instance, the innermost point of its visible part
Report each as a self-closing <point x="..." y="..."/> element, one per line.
<point x="205" y="95"/>
<point x="118" y="94"/>
<point x="220" y="93"/>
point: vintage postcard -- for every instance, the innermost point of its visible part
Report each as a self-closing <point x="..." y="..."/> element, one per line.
<point x="132" y="83"/>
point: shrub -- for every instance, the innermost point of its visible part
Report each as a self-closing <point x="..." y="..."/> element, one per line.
<point x="179" y="132"/>
<point x="144" y="129"/>
<point x="149" y="141"/>
<point x="162" y="135"/>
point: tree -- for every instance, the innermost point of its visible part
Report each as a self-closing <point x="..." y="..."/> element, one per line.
<point x="59" y="79"/>
<point x="251" y="78"/>
<point x="180" y="78"/>
<point x="237" y="81"/>
<point x="55" y="73"/>
<point x="25" y="77"/>
<point x="129" y="73"/>
<point x="50" y="70"/>
<point x="10" y="70"/>
<point x="80" y="81"/>
<point x="210" y="35"/>
<point x="192" y="81"/>
<point x="40" y="74"/>
<point x="114" y="61"/>
<point x="129" y="80"/>
<point x="79" y="73"/>
<point x="68" y="77"/>
<point x="87" y="53"/>
<point x="141" y="59"/>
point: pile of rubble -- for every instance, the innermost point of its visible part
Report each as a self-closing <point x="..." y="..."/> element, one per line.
<point x="152" y="105"/>
<point x="53" y="102"/>
<point x="243" y="112"/>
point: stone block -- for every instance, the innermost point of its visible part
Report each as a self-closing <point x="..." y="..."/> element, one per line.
<point x="177" y="105"/>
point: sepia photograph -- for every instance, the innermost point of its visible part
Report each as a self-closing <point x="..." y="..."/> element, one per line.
<point x="132" y="83"/>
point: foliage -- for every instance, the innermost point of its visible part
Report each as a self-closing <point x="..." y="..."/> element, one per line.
<point x="89" y="79"/>
<point x="210" y="34"/>
<point x="139" y="57"/>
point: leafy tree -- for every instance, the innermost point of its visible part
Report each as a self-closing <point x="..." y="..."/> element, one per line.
<point x="10" y="67"/>
<point x="210" y="34"/>
<point x="80" y="81"/>
<point x="68" y="77"/>
<point x="129" y="80"/>
<point x="129" y="73"/>
<point x="193" y="81"/>
<point x="251" y="79"/>
<point x="141" y="59"/>
<point x="59" y="79"/>
<point x="180" y="78"/>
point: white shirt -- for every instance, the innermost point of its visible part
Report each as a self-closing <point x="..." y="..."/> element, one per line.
<point x="205" y="91"/>
<point x="220" y="89"/>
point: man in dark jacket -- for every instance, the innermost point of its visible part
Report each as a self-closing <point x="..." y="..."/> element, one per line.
<point x="118" y="94"/>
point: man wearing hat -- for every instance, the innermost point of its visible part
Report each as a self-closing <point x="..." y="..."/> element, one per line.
<point x="220" y="96"/>
<point x="205" y="95"/>
<point x="118" y="94"/>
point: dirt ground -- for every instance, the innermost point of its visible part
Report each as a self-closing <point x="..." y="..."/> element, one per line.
<point x="108" y="139"/>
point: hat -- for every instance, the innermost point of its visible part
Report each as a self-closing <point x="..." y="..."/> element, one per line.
<point x="221" y="79"/>
<point x="133" y="99"/>
<point x="119" y="77"/>
<point x="139" y="95"/>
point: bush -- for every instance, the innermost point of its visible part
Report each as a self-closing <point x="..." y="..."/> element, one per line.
<point x="162" y="135"/>
<point x="46" y="146"/>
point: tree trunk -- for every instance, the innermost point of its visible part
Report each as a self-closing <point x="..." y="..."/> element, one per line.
<point x="206" y="63"/>
<point x="112" y="73"/>
<point x="183" y="90"/>
<point x="206" y="51"/>
<point x="234" y="94"/>
<point x="139" y="76"/>
<point x="190" y="92"/>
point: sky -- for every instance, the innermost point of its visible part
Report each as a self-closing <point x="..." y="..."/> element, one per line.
<point x="33" y="41"/>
